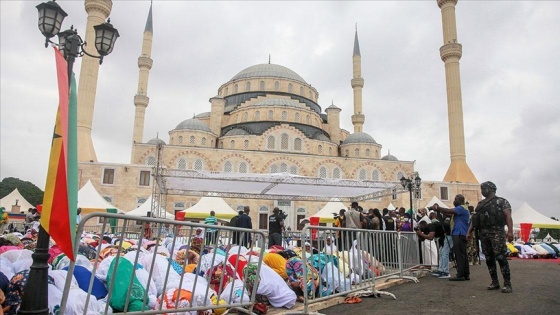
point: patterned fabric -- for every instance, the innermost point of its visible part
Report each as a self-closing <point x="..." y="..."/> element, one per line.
<point x="251" y="277"/>
<point x="15" y="291"/>
<point x="294" y="269"/>
<point x="87" y="251"/>
<point x="494" y="248"/>
<point x="216" y="274"/>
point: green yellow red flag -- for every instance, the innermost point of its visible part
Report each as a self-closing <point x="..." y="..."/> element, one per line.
<point x="61" y="189"/>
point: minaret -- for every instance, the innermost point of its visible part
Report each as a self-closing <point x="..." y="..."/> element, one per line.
<point x="450" y="53"/>
<point x="141" y="99"/>
<point x="357" y="85"/>
<point x="97" y="11"/>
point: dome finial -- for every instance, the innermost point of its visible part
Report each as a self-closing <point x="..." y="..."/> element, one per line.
<point x="332" y="102"/>
<point x="157" y="135"/>
<point x="268" y="58"/>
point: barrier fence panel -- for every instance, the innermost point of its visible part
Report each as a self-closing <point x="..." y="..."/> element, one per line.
<point x="157" y="266"/>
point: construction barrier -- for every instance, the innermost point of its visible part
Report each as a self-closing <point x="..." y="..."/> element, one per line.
<point x="151" y="266"/>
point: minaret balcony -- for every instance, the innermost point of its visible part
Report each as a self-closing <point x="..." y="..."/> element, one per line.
<point x="358" y="119"/>
<point x="141" y="100"/>
<point x="357" y="82"/>
<point x="145" y="62"/>
<point x="451" y="50"/>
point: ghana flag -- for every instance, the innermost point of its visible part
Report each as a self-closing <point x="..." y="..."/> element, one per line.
<point x="61" y="189"/>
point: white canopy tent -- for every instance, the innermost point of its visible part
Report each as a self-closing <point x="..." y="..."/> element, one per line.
<point x="143" y="209"/>
<point x="526" y="214"/>
<point x="391" y="207"/>
<point x="435" y="200"/>
<point x="203" y="207"/>
<point x="326" y="214"/>
<point x="91" y="201"/>
<point x="269" y="186"/>
<point x="15" y="199"/>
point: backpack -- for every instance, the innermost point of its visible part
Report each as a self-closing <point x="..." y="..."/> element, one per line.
<point x="369" y="224"/>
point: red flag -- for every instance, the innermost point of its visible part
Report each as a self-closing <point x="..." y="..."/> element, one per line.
<point x="60" y="198"/>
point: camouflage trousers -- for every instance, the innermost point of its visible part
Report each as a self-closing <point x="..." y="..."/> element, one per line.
<point x="472" y="251"/>
<point x="494" y="248"/>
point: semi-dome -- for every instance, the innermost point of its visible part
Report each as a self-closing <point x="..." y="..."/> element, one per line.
<point x="268" y="70"/>
<point x="359" y="137"/>
<point x="202" y="115"/>
<point x="279" y="102"/>
<point x="236" y="132"/>
<point x="156" y="141"/>
<point x="193" y="124"/>
<point x="389" y="157"/>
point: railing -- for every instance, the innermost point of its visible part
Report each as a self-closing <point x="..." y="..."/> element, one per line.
<point x="165" y="276"/>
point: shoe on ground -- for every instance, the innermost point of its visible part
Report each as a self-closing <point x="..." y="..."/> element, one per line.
<point x="457" y="279"/>
<point x="507" y="288"/>
<point x="444" y="276"/>
<point x="467" y="278"/>
<point x="437" y="273"/>
<point x="493" y="286"/>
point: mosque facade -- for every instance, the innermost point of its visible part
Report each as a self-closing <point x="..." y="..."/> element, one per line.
<point x="265" y="119"/>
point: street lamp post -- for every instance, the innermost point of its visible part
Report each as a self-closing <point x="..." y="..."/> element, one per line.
<point x="412" y="184"/>
<point x="51" y="16"/>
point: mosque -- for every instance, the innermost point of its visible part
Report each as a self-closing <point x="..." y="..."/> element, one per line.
<point x="266" y="119"/>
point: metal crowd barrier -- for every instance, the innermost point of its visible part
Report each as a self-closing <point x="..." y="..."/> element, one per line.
<point x="165" y="280"/>
<point x="361" y="257"/>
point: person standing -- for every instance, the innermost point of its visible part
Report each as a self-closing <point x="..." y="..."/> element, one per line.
<point x="78" y="216"/>
<point x="341" y="223"/>
<point x="244" y="221"/>
<point x="459" y="229"/>
<point x="211" y="233"/>
<point x="233" y="223"/>
<point x="492" y="214"/>
<point x="275" y="226"/>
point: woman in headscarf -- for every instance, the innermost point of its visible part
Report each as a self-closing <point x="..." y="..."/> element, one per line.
<point x="330" y="246"/>
<point x="197" y="240"/>
<point x="296" y="278"/>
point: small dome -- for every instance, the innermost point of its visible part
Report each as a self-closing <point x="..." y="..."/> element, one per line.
<point x="268" y="70"/>
<point x="193" y="124"/>
<point x="333" y="107"/>
<point x="389" y="157"/>
<point x="359" y="137"/>
<point x="156" y="141"/>
<point x="236" y="132"/>
<point x="279" y="102"/>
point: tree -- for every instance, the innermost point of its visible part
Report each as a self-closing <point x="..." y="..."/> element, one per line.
<point x="28" y="190"/>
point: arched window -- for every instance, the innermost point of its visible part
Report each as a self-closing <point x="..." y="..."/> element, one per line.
<point x="236" y="118"/>
<point x="357" y="152"/>
<point x="293" y="170"/>
<point x="242" y="167"/>
<point x="245" y="116"/>
<point x="284" y="115"/>
<point x="283" y="167"/>
<point x="297" y="117"/>
<point x="307" y="119"/>
<point x="192" y="140"/>
<point x="320" y="149"/>
<point x="248" y="86"/>
<point x="232" y="144"/>
<point x="290" y="88"/>
<point x="362" y="174"/>
<point x="180" y="139"/>
<point x="273" y="169"/>
<point x="346" y="152"/>
<point x="276" y="86"/>
<point x="375" y="175"/>
<point x="330" y="151"/>
<point x="226" y="93"/>
<point x="203" y="141"/>
<point x="261" y="86"/>
<point x="198" y="165"/>
<point x="221" y="145"/>
<point x="182" y="164"/>
<point x="301" y="90"/>
<point x="368" y="152"/>
<point x="297" y="144"/>
<point x="310" y="94"/>
<point x="270" y="142"/>
<point x="322" y="172"/>
<point x="151" y="160"/>
<point x="228" y="168"/>
<point x="235" y="88"/>
<point x="336" y="172"/>
<point x="246" y="144"/>
<point x="257" y="115"/>
<point x="284" y="142"/>
<point x="270" y="114"/>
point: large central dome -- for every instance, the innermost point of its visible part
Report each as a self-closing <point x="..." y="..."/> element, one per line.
<point x="268" y="70"/>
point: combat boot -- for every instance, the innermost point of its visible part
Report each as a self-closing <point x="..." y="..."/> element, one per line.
<point x="495" y="285"/>
<point x="507" y="287"/>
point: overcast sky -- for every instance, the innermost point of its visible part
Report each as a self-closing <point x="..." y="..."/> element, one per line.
<point x="509" y="74"/>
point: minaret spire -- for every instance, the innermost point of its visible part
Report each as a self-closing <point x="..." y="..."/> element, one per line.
<point x="357" y="85"/>
<point x="97" y="13"/>
<point x="141" y="99"/>
<point x="451" y="53"/>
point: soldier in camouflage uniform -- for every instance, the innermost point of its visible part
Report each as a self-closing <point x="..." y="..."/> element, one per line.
<point x="472" y="243"/>
<point x="491" y="215"/>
